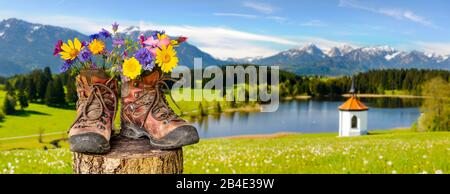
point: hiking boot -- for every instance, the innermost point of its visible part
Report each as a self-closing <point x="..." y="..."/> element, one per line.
<point x="96" y="109"/>
<point x="145" y="112"/>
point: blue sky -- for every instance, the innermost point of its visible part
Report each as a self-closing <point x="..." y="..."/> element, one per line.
<point x="243" y="28"/>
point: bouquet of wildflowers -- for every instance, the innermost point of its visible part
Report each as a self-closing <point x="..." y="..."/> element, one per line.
<point x="129" y="58"/>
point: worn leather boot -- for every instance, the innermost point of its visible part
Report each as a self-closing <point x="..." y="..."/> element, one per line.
<point x="96" y="109"/>
<point x="145" y="112"/>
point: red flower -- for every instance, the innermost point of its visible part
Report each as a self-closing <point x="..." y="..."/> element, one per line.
<point x="141" y="40"/>
<point x="58" y="47"/>
<point x="182" y="39"/>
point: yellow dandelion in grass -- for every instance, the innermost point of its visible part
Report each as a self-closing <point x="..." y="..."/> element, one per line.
<point x="71" y="49"/>
<point x="96" y="46"/>
<point x="166" y="58"/>
<point x="131" y="68"/>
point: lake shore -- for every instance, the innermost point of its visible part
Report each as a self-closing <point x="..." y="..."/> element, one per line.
<point x="385" y="95"/>
<point x="306" y="97"/>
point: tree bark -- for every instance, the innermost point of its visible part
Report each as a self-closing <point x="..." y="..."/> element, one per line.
<point x="130" y="156"/>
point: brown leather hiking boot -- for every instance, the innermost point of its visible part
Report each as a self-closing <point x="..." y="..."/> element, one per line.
<point x="96" y="109"/>
<point x="145" y="112"/>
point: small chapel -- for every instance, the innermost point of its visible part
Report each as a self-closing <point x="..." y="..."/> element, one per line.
<point x="352" y="116"/>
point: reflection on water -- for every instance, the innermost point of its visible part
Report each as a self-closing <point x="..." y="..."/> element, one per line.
<point x="309" y="116"/>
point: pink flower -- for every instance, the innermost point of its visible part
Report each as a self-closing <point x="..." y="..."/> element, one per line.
<point x="152" y="50"/>
<point x="164" y="42"/>
<point x="151" y="42"/>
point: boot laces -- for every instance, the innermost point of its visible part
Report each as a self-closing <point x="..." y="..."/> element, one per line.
<point x="95" y="103"/>
<point x="158" y="105"/>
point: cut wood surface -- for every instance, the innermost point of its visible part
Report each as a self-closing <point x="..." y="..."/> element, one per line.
<point x="130" y="156"/>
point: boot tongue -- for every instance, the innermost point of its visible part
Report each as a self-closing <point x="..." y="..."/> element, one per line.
<point x="152" y="78"/>
<point x="92" y="76"/>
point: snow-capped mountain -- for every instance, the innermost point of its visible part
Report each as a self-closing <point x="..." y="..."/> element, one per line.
<point x="345" y="59"/>
<point x="243" y="60"/>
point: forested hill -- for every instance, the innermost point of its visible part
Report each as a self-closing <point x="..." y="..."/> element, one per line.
<point x="372" y="82"/>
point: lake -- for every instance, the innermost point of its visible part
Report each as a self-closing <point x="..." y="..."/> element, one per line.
<point x="309" y="116"/>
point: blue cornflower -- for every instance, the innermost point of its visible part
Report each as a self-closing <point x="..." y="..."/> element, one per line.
<point x="84" y="55"/>
<point x="66" y="66"/>
<point x="94" y="36"/>
<point x="144" y="57"/>
<point x="105" y="33"/>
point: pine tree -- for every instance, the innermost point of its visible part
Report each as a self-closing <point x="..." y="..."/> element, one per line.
<point x="54" y="94"/>
<point x="71" y="95"/>
<point x="23" y="100"/>
<point x="9" y="105"/>
<point x="49" y="94"/>
<point x="58" y="90"/>
<point x="9" y="89"/>
<point x="31" y="89"/>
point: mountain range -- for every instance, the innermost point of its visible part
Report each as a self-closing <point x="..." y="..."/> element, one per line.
<point x="346" y="60"/>
<point x="25" y="46"/>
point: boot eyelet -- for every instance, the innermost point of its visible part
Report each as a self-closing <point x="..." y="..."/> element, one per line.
<point x="136" y="95"/>
<point x="135" y="84"/>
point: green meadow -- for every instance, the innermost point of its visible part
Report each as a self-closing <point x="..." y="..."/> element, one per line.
<point x="391" y="151"/>
<point x="34" y="141"/>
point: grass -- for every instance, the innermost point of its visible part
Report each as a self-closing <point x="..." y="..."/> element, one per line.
<point x="35" y="118"/>
<point x="392" y="151"/>
<point x="41" y="119"/>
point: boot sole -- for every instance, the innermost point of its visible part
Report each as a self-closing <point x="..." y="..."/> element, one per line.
<point x="170" y="141"/>
<point x="89" y="143"/>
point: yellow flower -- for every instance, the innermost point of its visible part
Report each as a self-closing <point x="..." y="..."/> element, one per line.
<point x="162" y="36"/>
<point x="96" y="47"/>
<point x="166" y="58"/>
<point x="71" y="49"/>
<point x="131" y="68"/>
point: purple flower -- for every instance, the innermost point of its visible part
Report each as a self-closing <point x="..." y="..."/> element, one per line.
<point x="156" y="32"/>
<point x="66" y="66"/>
<point x="84" y="55"/>
<point x="142" y="39"/>
<point x="58" y="47"/>
<point x="118" y="42"/>
<point x="149" y="66"/>
<point x="144" y="57"/>
<point x="93" y="66"/>
<point x="94" y="36"/>
<point x="115" y="26"/>
<point x="105" y="33"/>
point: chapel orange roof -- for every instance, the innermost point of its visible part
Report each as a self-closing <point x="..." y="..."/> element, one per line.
<point x="353" y="104"/>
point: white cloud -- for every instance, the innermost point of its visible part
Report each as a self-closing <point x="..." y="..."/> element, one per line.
<point x="399" y="14"/>
<point x="236" y="15"/>
<point x="314" y="23"/>
<point x="260" y="7"/>
<point x="442" y="48"/>
<point x="278" y="19"/>
<point x="225" y="42"/>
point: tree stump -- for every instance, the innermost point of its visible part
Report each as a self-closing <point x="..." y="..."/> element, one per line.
<point x="130" y="156"/>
